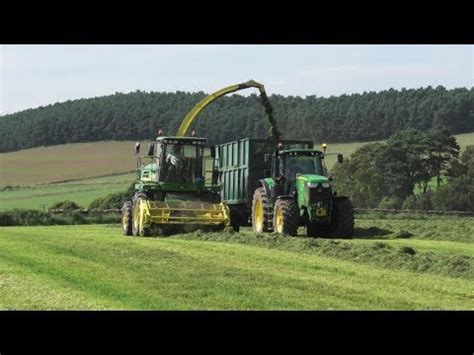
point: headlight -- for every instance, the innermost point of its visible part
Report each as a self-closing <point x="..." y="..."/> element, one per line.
<point x="312" y="184"/>
<point x="326" y="185"/>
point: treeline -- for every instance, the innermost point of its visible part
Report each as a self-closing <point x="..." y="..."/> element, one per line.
<point x="138" y="115"/>
<point x="411" y="170"/>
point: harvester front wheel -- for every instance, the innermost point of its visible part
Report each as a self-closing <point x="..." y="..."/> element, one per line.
<point x="137" y="228"/>
<point x="127" y="217"/>
<point x="285" y="217"/>
<point x="260" y="211"/>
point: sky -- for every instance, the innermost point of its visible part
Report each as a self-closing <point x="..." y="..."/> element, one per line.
<point x="38" y="75"/>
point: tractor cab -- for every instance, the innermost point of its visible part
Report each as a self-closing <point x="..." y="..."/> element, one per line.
<point x="293" y="163"/>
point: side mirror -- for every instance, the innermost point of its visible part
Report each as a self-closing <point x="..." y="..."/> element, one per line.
<point x="267" y="157"/>
<point x="137" y="148"/>
<point x="151" y="148"/>
<point x="340" y="158"/>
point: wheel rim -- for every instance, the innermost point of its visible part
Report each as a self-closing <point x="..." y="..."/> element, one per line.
<point x="279" y="220"/>
<point x="140" y="219"/>
<point x="136" y="212"/>
<point x="258" y="216"/>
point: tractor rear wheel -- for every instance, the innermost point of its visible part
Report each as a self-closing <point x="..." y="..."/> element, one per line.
<point x="260" y="215"/>
<point x="127" y="213"/>
<point x="343" y="219"/>
<point x="285" y="217"/>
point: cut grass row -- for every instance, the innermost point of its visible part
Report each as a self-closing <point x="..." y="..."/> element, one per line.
<point x="94" y="267"/>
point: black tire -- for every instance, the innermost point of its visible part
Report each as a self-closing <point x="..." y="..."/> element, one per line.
<point x="343" y="219"/>
<point x="235" y="219"/>
<point x="141" y="195"/>
<point x="289" y="216"/>
<point x="314" y="230"/>
<point x="260" y="196"/>
<point x="145" y="232"/>
<point x="127" y="212"/>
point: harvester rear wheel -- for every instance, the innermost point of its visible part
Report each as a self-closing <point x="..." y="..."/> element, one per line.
<point x="127" y="213"/>
<point x="285" y="217"/>
<point x="260" y="211"/>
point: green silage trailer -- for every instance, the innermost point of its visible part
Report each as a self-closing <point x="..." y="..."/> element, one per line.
<point x="241" y="164"/>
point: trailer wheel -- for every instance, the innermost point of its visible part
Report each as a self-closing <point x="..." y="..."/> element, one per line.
<point x="285" y="217"/>
<point x="235" y="219"/>
<point x="127" y="212"/>
<point x="260" y="215"/>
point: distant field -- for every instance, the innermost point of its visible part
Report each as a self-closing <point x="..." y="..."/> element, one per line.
<point x="83" y="160"/>
<point x="83" y="192"/>
<point x="95" y="267"/>
<point x="65" y="162"/>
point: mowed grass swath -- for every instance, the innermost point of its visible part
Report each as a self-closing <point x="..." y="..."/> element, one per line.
<point x="92" y="267"/>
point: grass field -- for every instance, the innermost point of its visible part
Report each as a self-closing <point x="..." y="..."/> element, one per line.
<point x="83" y="192"/>
<point x="95" y="267"/>
<point x="65" y="162"/>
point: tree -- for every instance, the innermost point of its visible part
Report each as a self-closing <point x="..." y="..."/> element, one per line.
<point x="442" y="149"/>
<point x="360" y="178"/>
<point x="404" y="162"/>
<point x="458" y="193"/>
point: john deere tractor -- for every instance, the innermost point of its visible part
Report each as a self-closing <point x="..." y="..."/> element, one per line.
<point x="299" y="193"/>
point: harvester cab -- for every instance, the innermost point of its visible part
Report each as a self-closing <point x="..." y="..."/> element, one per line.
<point x="300" y="193"/>
<point x="171" y="192"/>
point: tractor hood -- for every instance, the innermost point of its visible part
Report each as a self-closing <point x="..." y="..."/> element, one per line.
<point x="312" y="179"/>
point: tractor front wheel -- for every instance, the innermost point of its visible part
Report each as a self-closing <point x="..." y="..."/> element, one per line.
<point x="285" y="217"/>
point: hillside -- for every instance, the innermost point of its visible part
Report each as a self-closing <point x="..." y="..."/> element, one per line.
<point x="95" y="267"/>
<point x="138" y="115"/>
<point x="66" y="162"/>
